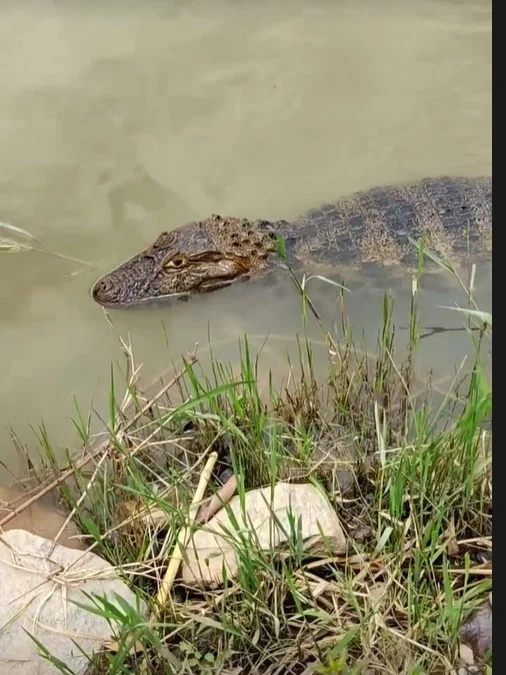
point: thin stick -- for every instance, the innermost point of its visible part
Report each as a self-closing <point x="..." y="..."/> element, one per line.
<point x="95" y="453"/>
<point x="62" y="256"/>
<point x="177" y="555"/>
<point x="184" y="533"/>
<point x="78" y="504"/>
<point x="217" y="501"/>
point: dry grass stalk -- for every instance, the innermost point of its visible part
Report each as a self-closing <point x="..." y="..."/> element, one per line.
<point x="103" y="447"/>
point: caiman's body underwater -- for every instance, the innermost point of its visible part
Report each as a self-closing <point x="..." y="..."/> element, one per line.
<point x="455" y="214"/>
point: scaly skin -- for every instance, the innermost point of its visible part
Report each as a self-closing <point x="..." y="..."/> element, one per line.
<point x="455" y="214"/>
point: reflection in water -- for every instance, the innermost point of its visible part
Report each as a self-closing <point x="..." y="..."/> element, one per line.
<point x="118" y="123"/>
<point x="142" y="191"/>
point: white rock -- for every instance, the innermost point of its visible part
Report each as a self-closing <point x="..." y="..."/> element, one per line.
<point x="36" y="590"/>
<point x="210" y="547"/>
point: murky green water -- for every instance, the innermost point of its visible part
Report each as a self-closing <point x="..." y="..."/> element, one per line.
<point x="117" y="123"/>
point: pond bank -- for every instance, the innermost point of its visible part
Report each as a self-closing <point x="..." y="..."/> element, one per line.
<point x="406" y="490"/>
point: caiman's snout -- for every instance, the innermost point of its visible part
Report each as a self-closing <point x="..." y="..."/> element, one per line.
<point x="175" y="275"/>
<point x="105" y="291"/>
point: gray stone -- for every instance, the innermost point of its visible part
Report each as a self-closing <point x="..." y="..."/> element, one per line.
<point x="37" y="590"/>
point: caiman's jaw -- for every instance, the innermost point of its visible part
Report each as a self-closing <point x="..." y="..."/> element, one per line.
<point x="202" y="272"/>
<point x="175" y="276"/>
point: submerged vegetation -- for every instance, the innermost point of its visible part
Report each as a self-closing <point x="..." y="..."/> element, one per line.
<point x="410" y="483"/>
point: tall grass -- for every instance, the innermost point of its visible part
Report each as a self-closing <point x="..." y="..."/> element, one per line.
<point x="415" y="500"/>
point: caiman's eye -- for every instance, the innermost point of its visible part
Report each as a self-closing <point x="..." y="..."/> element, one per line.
<point x="177" y="262"/>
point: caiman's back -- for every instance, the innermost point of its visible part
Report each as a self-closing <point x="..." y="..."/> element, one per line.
<point x="375" y="226"/>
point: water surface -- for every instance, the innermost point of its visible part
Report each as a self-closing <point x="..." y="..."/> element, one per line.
<point x="117" y="122"/>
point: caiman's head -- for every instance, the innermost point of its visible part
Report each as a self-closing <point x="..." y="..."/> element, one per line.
<point x="198" y="258"/>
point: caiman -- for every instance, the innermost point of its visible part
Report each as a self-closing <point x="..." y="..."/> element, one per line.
<point x="374" y="226"/>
